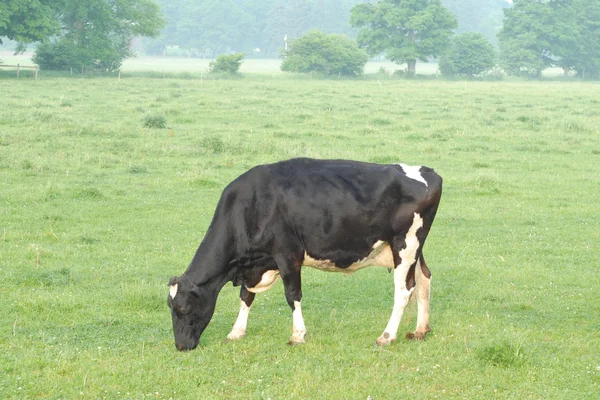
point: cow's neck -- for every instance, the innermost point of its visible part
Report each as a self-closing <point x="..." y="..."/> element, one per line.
<point x="209" y="264"/>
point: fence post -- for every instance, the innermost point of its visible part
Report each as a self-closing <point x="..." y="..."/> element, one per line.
<point x="36" y="72"/>
<point x="18" y="67"/>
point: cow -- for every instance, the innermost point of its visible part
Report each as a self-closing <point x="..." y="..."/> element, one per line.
<point x="334" y="215"/>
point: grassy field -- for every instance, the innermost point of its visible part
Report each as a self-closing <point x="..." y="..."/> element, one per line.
<point x="97" y="211"/>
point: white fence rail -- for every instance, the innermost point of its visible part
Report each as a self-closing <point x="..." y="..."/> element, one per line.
<point x="18" y="68"/>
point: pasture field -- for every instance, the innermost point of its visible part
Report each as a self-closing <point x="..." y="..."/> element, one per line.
<point x="97" y="212"/>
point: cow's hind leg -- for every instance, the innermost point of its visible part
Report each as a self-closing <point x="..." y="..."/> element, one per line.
<point x="239" y="328"/>
<point x="423" y="281"/>
<point x="405" y="257"/>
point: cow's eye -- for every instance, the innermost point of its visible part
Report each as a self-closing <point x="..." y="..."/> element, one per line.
<point x="181" y="311"/>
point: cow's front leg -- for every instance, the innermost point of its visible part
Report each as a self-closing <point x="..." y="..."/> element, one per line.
<point x="239" y="328"/>
<point x="298" y="328"/>
<point x="290" y="274"/>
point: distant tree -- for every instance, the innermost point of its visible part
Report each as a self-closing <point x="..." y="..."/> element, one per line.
<point x="229" y="63"/>
<point x="27" y="21"/>
<point x="469" y="54"/>
<point x="330" y="54"/>
<point x="482" y="16"/>
<point x="540" y="34"/>
<point x="97" y="34"/>
<point x="525" y="39"/>
<point x="577" y="36"/>
<point x="207" y="27"/>
<point x="405" y="30"/>
<point x="275" y="30"/>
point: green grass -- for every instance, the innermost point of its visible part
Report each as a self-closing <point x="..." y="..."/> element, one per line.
<point x="97" y="211"/>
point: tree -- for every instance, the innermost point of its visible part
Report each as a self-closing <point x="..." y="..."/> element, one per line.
<point x="578" y="36"/>
<point x="208" y="27"/>
<point x="525" y="38"/>
<point x="98" y="33"/>
<point x="229" y="63"/>
<point x="330" y="54"/>
<point x="405" y="30"/>
<point x="482" y="16"/>
<point x="27" y="21"/>
<point x="469" y="54"/>
<point x="540" y="34"/>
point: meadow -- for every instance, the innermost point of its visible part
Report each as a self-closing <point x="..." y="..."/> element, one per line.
<point x="98" y="211"/>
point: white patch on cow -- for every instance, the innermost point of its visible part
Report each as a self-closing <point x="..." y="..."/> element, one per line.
<point x="173" y="291"/>
<point x="401" y="293"/>
<point x="408" y="254"/>
<point x="298" y="328"/>
<point x="413" y="172"/>
<point x="239" y="328"/>
<point x="380" y="256"/>
<point x="267" y="280"/>
<point x="377" y="244"/>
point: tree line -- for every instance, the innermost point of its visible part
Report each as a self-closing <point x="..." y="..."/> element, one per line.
<point x="258" y="27"/>
<point x="533" y="34"/>
<point x="206" y="28"/>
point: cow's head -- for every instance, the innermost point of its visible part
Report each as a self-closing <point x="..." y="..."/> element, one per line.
<point x="192" y="307"/>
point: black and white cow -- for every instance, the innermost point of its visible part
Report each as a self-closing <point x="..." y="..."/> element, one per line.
<point x="334" y="215"/>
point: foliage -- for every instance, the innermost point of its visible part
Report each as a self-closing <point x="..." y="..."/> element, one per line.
<point x="97" y="213"/>
<point x="481" y="16"/>
<point x="155" y="121"/>
<point x="503" y="354"/>
<point x="524" y="38"/>
<point x="229" y="63"/>
<point x="405" y="30"/>
<point x="537" y="35"/>
<point x="27" y="21"/>
<point x="64" y="54"/>
<point x="231" y="26"/>
<point x="328" y="54"/>
<point x="469" y="54"/>
<point x="256" y="27"/>
<point x="580" y="42"/>
<point x="97" y="34"/>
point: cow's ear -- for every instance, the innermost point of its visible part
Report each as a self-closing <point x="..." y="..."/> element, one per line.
<point x="174" y="280"/>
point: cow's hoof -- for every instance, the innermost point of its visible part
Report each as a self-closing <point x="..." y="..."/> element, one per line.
<point x="295" y="341"/>
<point x="232" y="337"/>
<point x="416" y="335"/>
<point x="385" y="339"/>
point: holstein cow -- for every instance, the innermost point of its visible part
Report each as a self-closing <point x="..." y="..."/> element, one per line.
<point x="333" y="215"/>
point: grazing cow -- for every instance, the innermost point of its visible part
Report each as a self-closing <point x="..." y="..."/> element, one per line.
<point x="333" y="215"/>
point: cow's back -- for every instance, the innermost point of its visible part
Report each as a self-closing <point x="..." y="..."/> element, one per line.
<point x="339" y="209"/>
